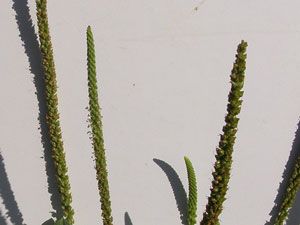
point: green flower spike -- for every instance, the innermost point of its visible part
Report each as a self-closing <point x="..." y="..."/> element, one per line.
<point x="52" y="114"/>
<point x="61" y="222"/>
<point x="223" y="157"/>
<point x="97" y="134"/>
<point x="290" y="195"/>
<point x="192" y="202"/>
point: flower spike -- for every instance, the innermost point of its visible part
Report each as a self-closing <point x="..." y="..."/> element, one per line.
<point x="97" y="133"/>
<point x="52" y="117"/>
<point x="223" y="157"/>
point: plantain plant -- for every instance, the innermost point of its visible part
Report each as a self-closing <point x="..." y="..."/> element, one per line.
<point x="222" y="166"/>
<point x="54" y="124"/>
<point x="289" y="196"/>
<point x="97" y="133"/>
<point x="52" y="117"/>
<point x="223" y="157"/>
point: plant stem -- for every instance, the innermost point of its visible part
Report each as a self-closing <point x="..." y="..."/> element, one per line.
<point x="223" y="157"/>
<point x="192" y="202"/>
<point x="52" y="117"/>
<point x="97" y="134"/>
<point x="290" y="195"/>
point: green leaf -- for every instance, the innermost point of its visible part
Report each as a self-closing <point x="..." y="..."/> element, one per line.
<point x="192" y="201"/>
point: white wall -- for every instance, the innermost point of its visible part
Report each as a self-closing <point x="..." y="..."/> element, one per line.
<point x="163" y="68"/>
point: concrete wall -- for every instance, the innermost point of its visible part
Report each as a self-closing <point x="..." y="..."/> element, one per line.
<point x="163" y="70"/>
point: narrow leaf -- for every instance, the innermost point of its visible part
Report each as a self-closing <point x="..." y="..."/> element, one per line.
<point x="192" y="201"/>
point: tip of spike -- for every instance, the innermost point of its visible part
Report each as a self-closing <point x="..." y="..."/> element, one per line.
<point x="244" y="43"/>
<point x="186" y="158"/>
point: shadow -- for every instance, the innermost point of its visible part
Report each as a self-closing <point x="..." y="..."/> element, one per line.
<point x="31" y="47"/>
<point x="49" y="222"/>
<point x="127" y="219"/>
<point x="7" y="195"/>
<point x="293" y="217"/>
<point x="2" y="219"/>
<point x="178" y="189"/>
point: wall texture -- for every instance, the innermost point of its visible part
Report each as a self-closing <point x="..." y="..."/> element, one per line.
<point x="163" y="69"/>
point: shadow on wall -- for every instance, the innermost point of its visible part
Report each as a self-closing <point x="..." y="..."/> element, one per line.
<point x="32" y="51"/>
<point x="49" y="222"/>
<point x="293" y="217"/>
<point x="127" y="219"/>
<point x="8" y="198"/>
<point x="2" y="219"/>
<point x="178" y="189"/>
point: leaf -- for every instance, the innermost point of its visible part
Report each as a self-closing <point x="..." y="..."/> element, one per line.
<point x="192" y="201"/>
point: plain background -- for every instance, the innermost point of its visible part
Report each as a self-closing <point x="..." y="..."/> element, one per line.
<point x="163" y="71"/>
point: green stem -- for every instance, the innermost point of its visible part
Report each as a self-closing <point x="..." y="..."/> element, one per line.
<point x="97" y="134"/>
<point x="52" y="114"/>
<point x="223" y="157"/>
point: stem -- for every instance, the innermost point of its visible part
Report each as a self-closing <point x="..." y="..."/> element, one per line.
<point x="97" y="134"/>
<point x="223" y="157"/>
<point x="52" y="116"/>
